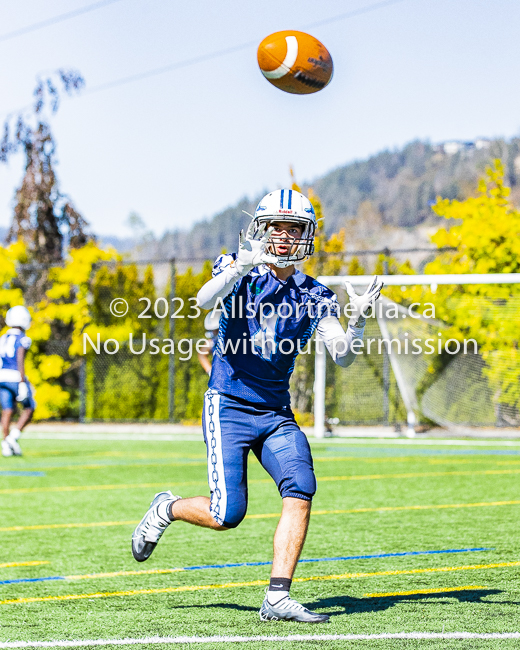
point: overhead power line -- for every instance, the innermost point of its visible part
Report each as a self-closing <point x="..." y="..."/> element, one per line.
<point x="230" y="50"/>
<point x="353" y="13"/>
<point x="168" y="68"/>
<point x="56" y="19"/>
<point x="194" y="60"/>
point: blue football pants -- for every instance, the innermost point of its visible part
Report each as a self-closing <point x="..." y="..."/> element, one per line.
<point x="231" y="429"/>
<point x="8" y="393"/>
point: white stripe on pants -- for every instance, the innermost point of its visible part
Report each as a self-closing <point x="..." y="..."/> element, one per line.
<point x="216" y="477"/>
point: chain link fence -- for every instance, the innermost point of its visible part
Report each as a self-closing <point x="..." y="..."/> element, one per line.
<point x="155" y="374"/>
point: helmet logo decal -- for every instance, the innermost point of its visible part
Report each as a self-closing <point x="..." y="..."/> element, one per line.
<point x="311" y="210"/>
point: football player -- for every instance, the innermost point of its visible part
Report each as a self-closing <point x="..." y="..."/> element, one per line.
<point x="270" y="311"/>
<point x="14" y="386"/>
<point x="211" y="323"/>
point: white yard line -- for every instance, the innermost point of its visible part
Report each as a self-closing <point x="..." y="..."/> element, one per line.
<point x="103" y="437"/>
<point x="345" y="442"/>
<point x="244" y="639"/>
<point x="196" y="437"/>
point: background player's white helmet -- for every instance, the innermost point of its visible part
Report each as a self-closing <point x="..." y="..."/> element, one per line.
<point x="18" y="316"/>
<point x="289" y="205"/>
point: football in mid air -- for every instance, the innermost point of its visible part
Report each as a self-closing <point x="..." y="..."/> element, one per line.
<point x="295" y="62"/>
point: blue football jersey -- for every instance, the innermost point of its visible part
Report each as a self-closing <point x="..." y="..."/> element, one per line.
<point x="10" y="342"/>
<point x="266" y="322"/>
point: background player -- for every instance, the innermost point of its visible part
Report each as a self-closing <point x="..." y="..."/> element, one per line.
<point x="14" y="386"/>
<point x="211" y="323"/>
<point x="270" y="312"/>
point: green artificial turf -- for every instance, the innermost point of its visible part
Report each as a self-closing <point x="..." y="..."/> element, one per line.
<point x="180" y="466"/>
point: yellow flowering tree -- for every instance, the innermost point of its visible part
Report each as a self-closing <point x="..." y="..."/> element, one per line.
<point x="65" y="307"/>
<point x="10" y="294"/>
<point x="486" y="235"/>
<point x="355" y="267"/>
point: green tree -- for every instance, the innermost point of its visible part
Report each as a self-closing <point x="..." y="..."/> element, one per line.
<point x="49" y="228"/>
<point x="129" y="385"/>
<point x="133" y="386"/>
<point x="43" y="216"/>
<point x="191" y="380"/>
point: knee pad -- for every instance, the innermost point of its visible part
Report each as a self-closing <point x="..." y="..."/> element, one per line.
<point x="301" y="484"/>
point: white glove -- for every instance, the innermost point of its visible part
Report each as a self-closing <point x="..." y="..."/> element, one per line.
<point x="23" y="392"/>
<point x="361" y="306"/>
<point x="251" y="248"/>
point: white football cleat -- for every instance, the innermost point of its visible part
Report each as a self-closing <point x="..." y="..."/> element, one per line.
<point x="14" y="433"/>
<point x="6" y="448"/>
<point x="14" y="444"/>
<point x="151" y="527"/>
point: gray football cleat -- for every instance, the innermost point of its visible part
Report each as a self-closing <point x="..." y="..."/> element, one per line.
<point x="289" y="610"/>
<point x="149" y="531"/>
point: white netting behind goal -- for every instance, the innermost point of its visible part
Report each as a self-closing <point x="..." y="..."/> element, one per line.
<point x="450" y="389"/>
<point x="468" y="388"/>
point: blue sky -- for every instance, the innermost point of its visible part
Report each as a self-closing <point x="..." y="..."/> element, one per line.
<point x="183" y="145"/>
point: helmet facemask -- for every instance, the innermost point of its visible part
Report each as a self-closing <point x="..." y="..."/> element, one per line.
<point x="300" y="248"/>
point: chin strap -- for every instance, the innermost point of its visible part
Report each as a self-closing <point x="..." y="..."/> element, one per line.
<point x="283" y="264"/>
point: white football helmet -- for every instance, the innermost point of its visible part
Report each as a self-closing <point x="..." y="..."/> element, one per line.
<point x="288" y="205"/>
<point x="18" y="316"/>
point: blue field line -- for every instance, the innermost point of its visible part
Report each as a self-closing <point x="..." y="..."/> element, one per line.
<point x="14" y="582"/>
<point x="333" y="559"/>
<point x="320" y="559"/>
<point x="14" y="472"/>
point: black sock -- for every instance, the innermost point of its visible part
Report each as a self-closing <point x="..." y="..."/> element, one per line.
<point x="169" y="512"/>
<point x="280" y="584"/>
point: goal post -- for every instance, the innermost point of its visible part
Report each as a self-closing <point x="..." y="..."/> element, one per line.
<point x="408" y="371"/>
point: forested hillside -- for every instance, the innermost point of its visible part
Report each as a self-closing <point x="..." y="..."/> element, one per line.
<point x="403" y="184"/>
<point x="390" y="191"/>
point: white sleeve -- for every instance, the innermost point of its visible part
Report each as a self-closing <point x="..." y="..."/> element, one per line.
<point x="221" y="285"/>
<point x="340" y="344"/>
<point x="25" y="342"/>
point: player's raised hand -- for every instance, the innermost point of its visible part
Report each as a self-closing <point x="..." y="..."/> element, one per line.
<point x="252" y="248"/>
<point x="361" y="306"/>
